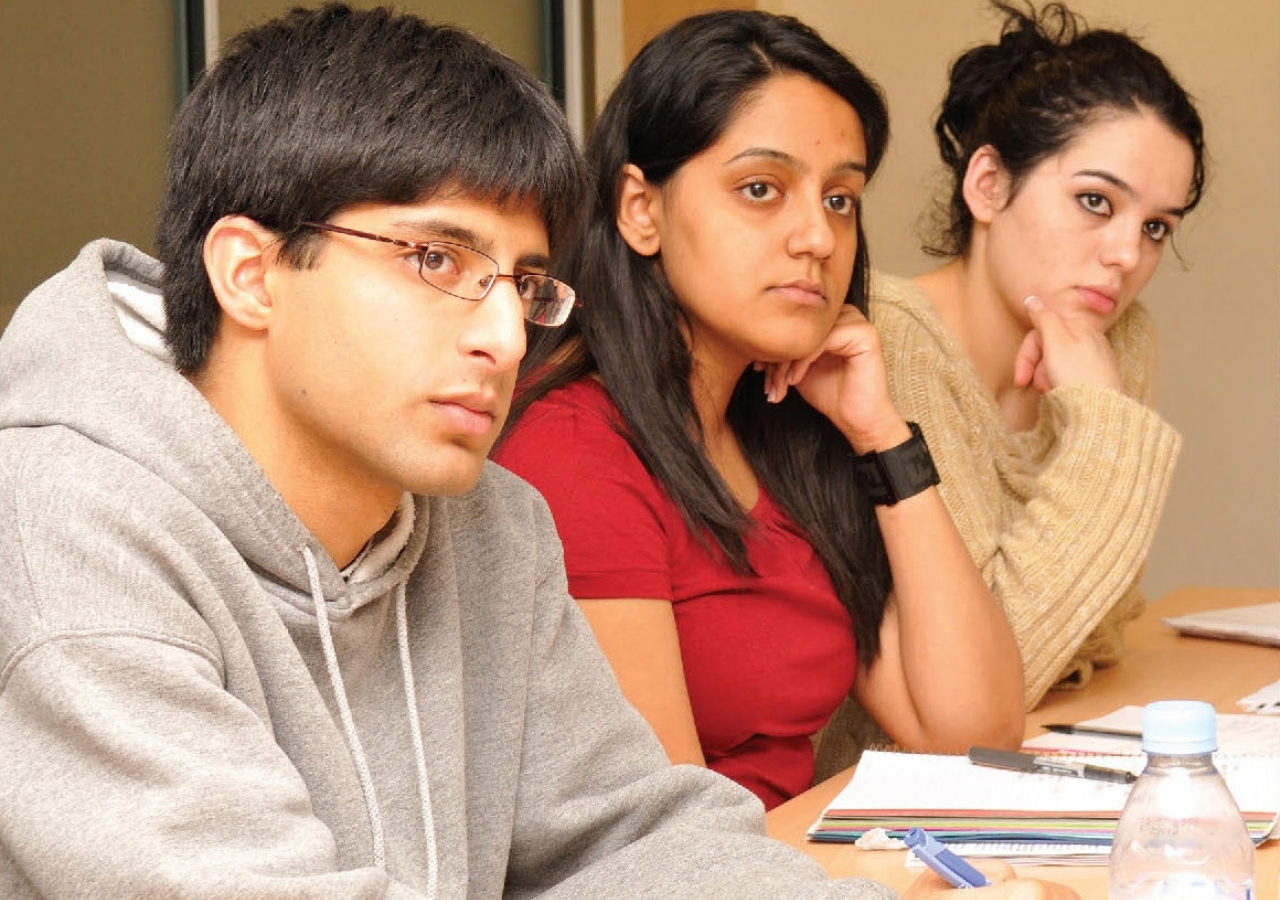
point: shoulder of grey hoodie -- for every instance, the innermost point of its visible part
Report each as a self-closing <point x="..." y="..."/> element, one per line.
<point x="166" y="726"/>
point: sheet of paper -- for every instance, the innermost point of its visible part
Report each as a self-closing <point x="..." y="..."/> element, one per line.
<point x="1264" y="701"/>
<point x="1238" y="735"/>
<point x="1259" y="623"/>
<point x="889" y="783"/>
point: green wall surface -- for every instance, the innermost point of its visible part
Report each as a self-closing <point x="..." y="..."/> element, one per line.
<point x="89" y="91"/>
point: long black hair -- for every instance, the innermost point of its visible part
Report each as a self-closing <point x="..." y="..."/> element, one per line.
<point x="675" y="100"/>
<point x="1032" y="92"/>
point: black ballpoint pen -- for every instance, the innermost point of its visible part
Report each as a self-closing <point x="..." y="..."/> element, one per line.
<point x="1026" y="762"/>
<point x="1100" y="731"/>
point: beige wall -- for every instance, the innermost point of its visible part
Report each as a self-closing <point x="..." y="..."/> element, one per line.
<point x="1218" y="312"/>
<point x="646" y="18"/>
<point x="513" y="25"/>
<point x="1218" y="315"/>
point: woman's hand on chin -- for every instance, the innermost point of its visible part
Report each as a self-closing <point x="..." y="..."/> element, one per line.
<point x="1059" y="351"/>
<point x="844" y="379"/>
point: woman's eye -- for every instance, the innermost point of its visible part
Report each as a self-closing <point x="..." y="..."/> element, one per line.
<point x="759" y="190"/>
<point x="1094" y="202"/>
<point x="1156" y="230"/>
<point x="841" y="204"/>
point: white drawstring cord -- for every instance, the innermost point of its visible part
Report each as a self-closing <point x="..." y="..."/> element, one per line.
<point x="415" y="729"/>
<point x="344" y="710"/>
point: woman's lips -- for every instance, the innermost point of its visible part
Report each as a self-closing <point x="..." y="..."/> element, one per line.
<point x="1098" y="300"/>
<point x="804" y="293"/>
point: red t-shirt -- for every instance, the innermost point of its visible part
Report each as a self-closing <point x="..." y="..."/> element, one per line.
<point x="767" y="657"/>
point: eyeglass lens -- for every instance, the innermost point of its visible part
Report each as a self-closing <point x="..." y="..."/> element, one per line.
<point x="459" y="270"/>
<point x="467" y="273"/>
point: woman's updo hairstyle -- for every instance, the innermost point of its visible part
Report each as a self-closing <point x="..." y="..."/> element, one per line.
<point x="1029" y="95"/>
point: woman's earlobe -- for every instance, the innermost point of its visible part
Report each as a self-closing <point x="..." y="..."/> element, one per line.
<point x="639" y="210"/>
<point x="238" y="253"/>
<point x="986" y="184"/>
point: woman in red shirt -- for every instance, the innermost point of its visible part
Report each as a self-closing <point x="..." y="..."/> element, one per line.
<point x="746" y="560"/>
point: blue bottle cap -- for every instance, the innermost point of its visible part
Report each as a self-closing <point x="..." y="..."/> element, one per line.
<point x="1179" y="727"/>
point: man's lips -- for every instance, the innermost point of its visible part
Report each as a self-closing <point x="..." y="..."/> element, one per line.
<point x="469" y="413"/>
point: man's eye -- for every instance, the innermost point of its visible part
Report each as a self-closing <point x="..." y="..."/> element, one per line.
<point x="439" y="260"/>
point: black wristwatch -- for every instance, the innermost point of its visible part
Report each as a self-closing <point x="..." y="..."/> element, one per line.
<point x="899" y="472"/>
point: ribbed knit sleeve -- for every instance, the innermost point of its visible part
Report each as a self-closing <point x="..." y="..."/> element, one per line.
<point x="1058" y="518"/>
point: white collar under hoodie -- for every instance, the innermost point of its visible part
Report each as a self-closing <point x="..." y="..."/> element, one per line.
<point x="195" y="702"/>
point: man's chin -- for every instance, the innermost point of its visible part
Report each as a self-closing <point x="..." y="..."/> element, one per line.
<point x="453" y="475"/>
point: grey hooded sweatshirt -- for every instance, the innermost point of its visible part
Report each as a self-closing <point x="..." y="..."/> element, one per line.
<point x="194" y="701"/>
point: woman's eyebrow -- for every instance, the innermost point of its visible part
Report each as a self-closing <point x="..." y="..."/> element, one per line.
<point x="1127" y="189"/>
<point x="768" y="153"/>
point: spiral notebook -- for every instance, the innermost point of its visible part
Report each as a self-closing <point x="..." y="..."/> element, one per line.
<point x="998" y="812"/>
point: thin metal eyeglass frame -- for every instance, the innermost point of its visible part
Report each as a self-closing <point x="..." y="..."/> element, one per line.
<point x="424" y="247"/>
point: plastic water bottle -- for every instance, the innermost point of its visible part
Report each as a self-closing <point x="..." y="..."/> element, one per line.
<point x="1181" y="834"/>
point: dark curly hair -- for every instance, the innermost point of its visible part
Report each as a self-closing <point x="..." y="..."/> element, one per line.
<point x="1032" y="92"/>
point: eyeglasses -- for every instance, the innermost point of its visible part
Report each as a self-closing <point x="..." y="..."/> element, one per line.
<point x="467" y="273"/>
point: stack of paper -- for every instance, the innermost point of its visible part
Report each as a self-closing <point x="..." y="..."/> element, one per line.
<point x="1023" y="813"/>
<point x="1238" y="735"/>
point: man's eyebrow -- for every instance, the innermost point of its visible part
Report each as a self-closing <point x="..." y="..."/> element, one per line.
<point x="851" y="165"/>
<point x="443" y="230"/>
<point x="446" y="230"/>
<point x="1127" y="189"/>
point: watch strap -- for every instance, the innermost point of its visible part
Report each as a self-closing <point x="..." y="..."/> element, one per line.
<point x="892" y="475"/>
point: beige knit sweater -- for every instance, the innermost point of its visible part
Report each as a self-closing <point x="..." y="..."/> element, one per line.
<point x="1058" y="518"/>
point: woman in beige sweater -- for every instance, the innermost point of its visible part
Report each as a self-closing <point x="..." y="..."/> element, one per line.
<point x="1026" y="357"/>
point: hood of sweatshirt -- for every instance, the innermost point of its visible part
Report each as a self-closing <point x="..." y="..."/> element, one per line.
<point x="85" y="351"/>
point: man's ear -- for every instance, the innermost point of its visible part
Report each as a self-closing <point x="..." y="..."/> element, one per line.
<point x="986" y="184"/>
<point x="238" y="252"/>
<point x="639" y="210"/>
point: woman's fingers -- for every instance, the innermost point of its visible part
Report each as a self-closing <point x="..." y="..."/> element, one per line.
<point x="1070" y="351"/>
<point x="1028" y="359"/>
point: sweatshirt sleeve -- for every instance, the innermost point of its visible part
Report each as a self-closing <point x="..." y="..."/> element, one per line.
<point x="1061" y="525"/>
<point x="600" y="811"/>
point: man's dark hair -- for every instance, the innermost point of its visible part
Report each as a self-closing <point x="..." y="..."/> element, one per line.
<point x="324" y="109"/>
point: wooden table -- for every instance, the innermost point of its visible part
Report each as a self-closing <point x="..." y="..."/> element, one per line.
<point x="1159" y="664"/>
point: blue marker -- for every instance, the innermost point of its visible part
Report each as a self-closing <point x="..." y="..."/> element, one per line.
<point x="929" y="850"/>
